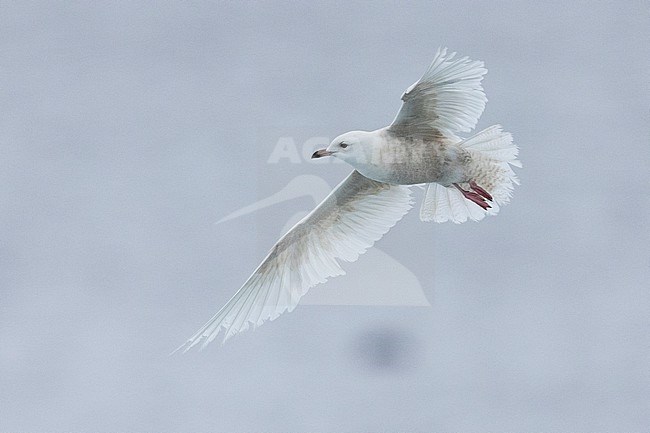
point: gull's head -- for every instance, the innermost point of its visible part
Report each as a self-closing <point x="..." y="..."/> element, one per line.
<point x="350" y="147"/>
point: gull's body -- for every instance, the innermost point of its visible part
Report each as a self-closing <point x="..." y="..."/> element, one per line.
<point x="407" y="159"/>
<point x="464" y="179"/>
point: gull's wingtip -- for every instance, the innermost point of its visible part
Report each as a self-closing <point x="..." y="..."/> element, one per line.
<point x="195" y="340"/>
<point x="185" y="346"/>
<point x="202" y="341"/>
<point x="189" y="344"/>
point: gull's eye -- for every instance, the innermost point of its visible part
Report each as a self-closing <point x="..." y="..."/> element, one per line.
<point x="343" y="145"/>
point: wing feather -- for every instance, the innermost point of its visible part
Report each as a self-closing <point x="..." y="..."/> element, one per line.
<point x="448" y="98"/>
<point x="358" y="212"/>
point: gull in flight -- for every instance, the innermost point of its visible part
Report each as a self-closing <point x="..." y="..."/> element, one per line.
<point x="464" y="178"/>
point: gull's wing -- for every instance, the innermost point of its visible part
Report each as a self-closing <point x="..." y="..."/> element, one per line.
<point x="448" y="98"/>
<point x="357" y="213"/>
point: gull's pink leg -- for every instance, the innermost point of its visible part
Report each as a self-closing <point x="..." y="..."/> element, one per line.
<point x="474" y="197"/>
<point x="479" y="190"/>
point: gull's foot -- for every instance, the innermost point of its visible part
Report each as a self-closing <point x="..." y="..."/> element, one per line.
<point x="483" y="193"/>
<point x="478" y="195"/>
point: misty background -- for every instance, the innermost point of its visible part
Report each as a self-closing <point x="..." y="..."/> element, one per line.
<point x="127" y="129"/>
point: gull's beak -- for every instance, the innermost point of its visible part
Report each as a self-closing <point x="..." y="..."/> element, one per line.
<point x="321" y="153"/>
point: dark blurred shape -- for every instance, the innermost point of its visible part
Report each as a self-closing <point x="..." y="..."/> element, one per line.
<point x="385" y="348"/>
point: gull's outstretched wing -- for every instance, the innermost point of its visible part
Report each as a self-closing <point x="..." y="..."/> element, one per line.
<point x="357" y="213"/>
<point x="448" y="98"/>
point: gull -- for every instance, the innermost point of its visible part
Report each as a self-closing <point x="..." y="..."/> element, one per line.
<point x="464" y="179"/>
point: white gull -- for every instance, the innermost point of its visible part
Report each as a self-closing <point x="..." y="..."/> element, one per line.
<point x="464" y="179"/>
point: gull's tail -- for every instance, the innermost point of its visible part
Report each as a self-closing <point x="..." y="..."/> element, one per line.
<point x="492" y="154"/>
